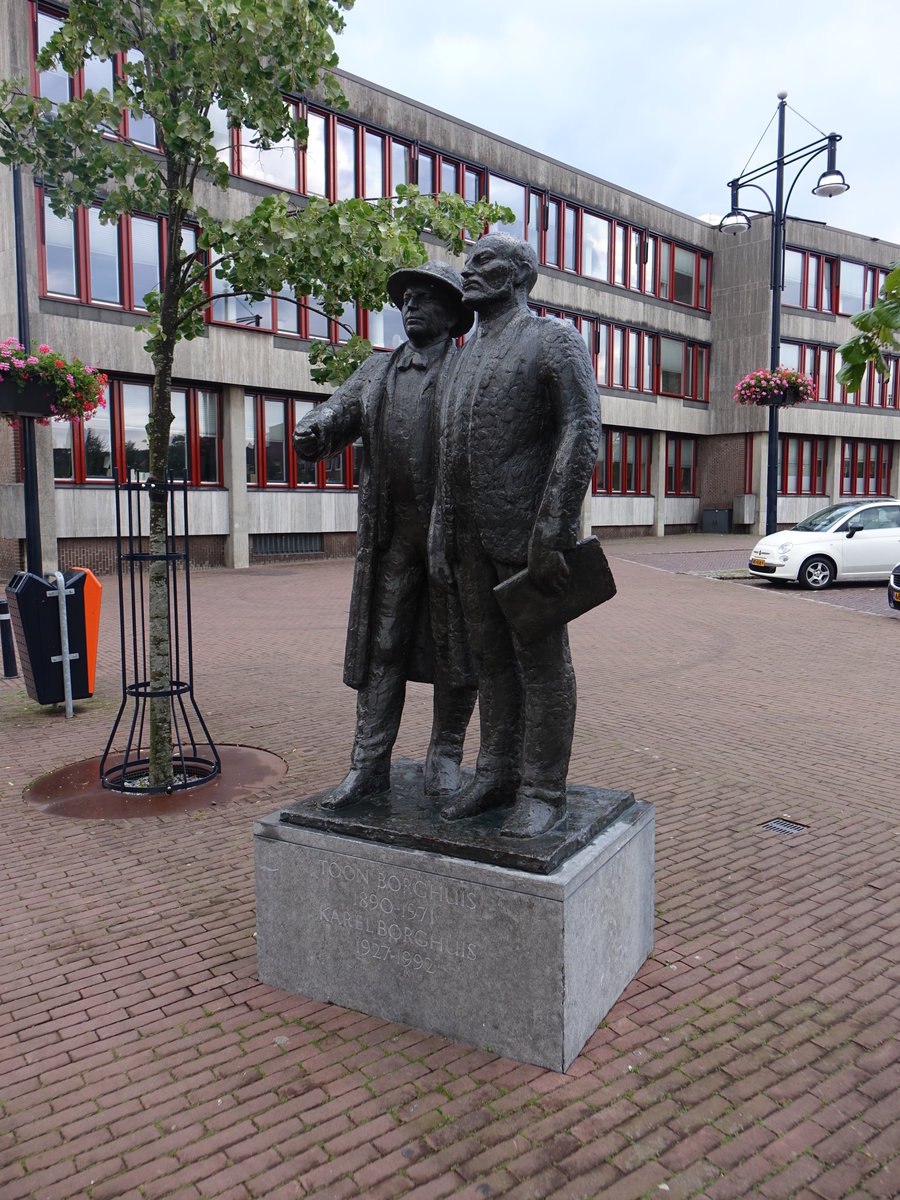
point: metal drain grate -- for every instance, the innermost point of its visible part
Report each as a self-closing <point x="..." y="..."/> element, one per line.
<point x="780" y="825"/>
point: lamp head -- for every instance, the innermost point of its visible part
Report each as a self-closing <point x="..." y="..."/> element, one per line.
<point x="831" y="181"/>
<point x="734" y="222"/>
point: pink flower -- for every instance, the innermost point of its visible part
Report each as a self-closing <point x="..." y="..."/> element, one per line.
<point x="32" y="361"/>
<point x="42" y="349"/>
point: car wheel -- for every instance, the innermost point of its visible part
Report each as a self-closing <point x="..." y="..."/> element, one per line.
<point x="816" y="573"/>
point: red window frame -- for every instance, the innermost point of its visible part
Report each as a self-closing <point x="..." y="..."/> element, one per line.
<point x="876" y="459"/>
<point x="748" y="464"/>
<point x="694" y="369"/>
<point x="826" y="285"/>
<point x="114" y="410"/>
<point x="602" y="481"/>
<point x="814" y="447"/>
<point x="128" y="301"/>
<point x="349" y="456"/>
<point x="675" y="443"/>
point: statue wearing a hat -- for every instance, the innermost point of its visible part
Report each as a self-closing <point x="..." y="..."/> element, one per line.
<point x="397" y="630"/>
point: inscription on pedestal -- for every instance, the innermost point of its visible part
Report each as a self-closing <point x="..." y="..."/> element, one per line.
<point x="396" y="918"/>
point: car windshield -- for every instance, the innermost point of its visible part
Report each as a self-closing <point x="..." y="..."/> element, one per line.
<point x="825" y="517"/>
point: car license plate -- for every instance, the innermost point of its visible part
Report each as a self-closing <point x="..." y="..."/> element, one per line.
<point x="897" y="597"/>
<point x="757" y="562"/>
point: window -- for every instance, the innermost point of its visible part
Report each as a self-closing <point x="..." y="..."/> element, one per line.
<point x="681" y="465"/>
<point x="276" y="165"/>
<point x="116" y="437"/>
<point x="54" y="84"/>
<point x="852" y="287"/>
<point x="268" y="424"/>
<point x="682" y="274"/>
<point x="386" y="327"/>
<point x="115" y="264"/>
<point x="373" y="164"/>
<point x="685" y="276"/>
<point x="103" y="257"/>
<point x="671" y="366"/>
<point x="315" y="155"/>
<point x="683" y="369"/>
<point x="817" y="362"/>
<point x="60" y="256"/>
<point x="595" y="247"/>
<point x="345" y="162"/>
<point x="801" y="466"/>
<point x="623" y="463"/>
<point x="821" y="363"/>
<point x="866" y="468"/>
<point x="145" y="259"/>
<point x="748" y="464"/>
<point x="809" y="280"/>
<point x="514" y="196"/>
<point x="137" y="125"/>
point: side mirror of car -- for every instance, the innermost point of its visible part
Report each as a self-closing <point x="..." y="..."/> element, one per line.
<point x="854" y="526"/>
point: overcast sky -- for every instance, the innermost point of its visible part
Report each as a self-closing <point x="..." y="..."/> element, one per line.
<point x="667" y="98"/>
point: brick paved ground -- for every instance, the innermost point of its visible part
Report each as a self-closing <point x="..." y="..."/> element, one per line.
<point x="755" y="1054"/>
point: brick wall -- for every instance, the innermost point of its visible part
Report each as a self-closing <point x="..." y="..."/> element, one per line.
<point x="608" y="533"/>
<point x="720" y="471"/>
<point x="99" y="554"/>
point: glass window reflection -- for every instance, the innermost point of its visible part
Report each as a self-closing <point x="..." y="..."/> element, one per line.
<point x="595" y="246"/>
<point x="315" y="155"/>
<point x="104" y="256"/>
<point x="135" y="414"/>
<point x="177" y="464"/>
<point x="145" y="258"/>
<point x="59" y="246"/>
<point x="306" y="471"/>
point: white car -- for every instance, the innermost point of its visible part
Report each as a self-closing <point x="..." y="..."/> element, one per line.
<point x="852" y="540"/>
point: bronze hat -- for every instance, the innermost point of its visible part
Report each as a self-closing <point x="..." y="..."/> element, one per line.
<point x="433" y="272"/>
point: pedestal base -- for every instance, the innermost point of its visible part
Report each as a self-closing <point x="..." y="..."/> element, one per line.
<point x="521" y="964"/>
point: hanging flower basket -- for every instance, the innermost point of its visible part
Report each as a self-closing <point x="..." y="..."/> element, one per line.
<point x="45" y="385"/>
<point x="782" y="387"/>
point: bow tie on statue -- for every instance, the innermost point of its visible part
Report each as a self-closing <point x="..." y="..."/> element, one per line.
<point x="412" y="358"/>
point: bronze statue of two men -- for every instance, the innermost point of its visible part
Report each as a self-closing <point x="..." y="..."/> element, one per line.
<point x="474" y="468"/>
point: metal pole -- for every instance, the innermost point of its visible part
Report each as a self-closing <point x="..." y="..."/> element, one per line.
<point x="64" y="641"/>
<point x="7" y="648"/>
<point x="33" y="556"/>
<point x="775" y="348"/>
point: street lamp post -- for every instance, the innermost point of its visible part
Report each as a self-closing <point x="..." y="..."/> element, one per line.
<point x="831" y="183"/>
<point x="33" y="562"/>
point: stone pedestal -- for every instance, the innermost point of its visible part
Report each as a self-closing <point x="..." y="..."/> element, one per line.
<point x="522" y="964"/>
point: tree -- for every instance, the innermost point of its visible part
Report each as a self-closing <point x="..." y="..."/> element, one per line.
<point x="186" y="60"/>
<point x="878" y="327"/>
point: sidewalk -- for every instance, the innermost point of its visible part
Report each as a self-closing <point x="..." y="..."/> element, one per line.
<point x="755" y="1054"/>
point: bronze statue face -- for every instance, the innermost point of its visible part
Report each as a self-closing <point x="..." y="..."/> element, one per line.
<point x="489" y="276"/>
<point x="429" y="312"/>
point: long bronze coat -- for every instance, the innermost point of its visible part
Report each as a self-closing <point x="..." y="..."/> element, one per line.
<point x="525" y="411"/>
<point x="355" y="411"/>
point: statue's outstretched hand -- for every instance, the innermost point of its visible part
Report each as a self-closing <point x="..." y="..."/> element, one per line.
<point x="308" y="441"/>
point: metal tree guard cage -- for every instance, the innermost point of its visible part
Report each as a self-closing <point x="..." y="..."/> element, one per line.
<point x="195" y="759"/>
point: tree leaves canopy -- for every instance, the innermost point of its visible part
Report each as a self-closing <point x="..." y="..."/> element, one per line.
<point x="878" y="327"/>
<point x="185" y="57"/>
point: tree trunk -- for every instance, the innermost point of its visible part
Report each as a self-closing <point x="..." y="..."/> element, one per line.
<point x="159" y="633"/>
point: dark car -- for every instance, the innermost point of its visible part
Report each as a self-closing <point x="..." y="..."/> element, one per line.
<point x="894" y="587"/>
